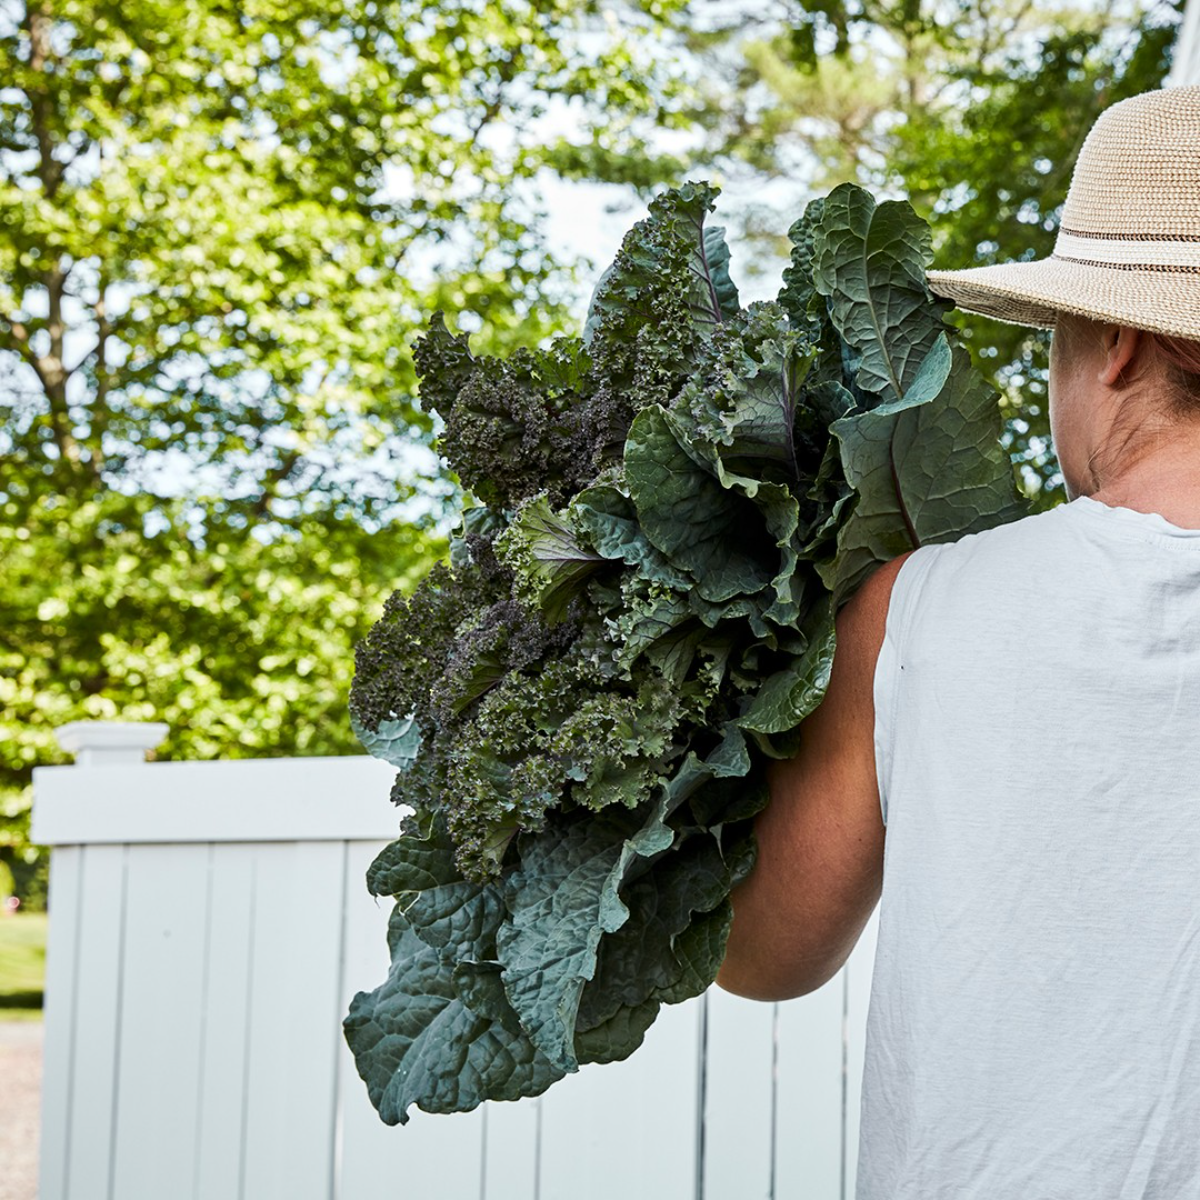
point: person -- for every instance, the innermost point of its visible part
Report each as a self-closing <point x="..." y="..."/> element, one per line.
<point x="1007" y="758"/>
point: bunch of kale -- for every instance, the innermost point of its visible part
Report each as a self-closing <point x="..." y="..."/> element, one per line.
<point x="639" y="612"/>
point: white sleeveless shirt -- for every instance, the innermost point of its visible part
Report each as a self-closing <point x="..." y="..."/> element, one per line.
<point x="1034" y="1022"/>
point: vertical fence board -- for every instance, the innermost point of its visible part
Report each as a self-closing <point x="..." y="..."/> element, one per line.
<point x="295" y="973"/>
<point x="222" y="1113"/>
<point x="98" y="997"/>
<point x="430" y="1158"/>
<point x="366" y="1152"/>
<point x="630" y="1128"/>
<point x="61" y="948"/>
<point x="510" y="1166"/>
<point x="739" y="1098"/>
<point x="808" y="1142"/>
<point x="859" y="972"/>
<point x="161" y="1020"/>
<point x="437" y="1157"/>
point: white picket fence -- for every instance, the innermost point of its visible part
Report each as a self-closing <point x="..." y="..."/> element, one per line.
<point x="209" y="925"/>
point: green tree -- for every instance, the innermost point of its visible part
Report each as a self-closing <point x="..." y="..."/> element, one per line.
<point x="221" y="225"/>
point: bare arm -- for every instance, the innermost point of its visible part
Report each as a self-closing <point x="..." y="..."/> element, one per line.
<point x="820" y="840"/>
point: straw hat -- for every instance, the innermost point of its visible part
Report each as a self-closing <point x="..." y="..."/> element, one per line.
<point x="1128" y="247"/>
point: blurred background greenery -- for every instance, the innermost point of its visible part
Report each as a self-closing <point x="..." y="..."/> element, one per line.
<point x="222" y="225"/>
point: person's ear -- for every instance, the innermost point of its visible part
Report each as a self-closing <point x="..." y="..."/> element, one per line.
<point x="1121" y="346"/>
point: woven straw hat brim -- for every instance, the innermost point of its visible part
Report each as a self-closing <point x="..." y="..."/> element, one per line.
<point x="1128" y="244"/>
<point x="1032" y="293"/>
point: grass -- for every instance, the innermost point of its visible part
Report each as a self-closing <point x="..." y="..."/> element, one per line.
<point x="22" y="966"/>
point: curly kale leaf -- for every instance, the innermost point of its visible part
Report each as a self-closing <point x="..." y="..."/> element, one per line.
<point x="411" y="644"/>
<point x="560" y="736"/>
<point x="748" y="404"/>
<point x="675" y="234"/>
<point x="806" y="308"/>
<point x="430" y="656"/>
<point x="444" y="364"/>
<point x="515" y="427"/>
<point x="547" y="557"/>
<point x="653" y="309"/>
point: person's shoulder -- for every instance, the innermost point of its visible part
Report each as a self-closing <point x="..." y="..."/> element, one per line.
<point x="962" y="580"/>
<point x="864" y="615"/>
<point x="875" y="593"/>
<point x="863" y="618"/>
<point x="1015" y="536"/>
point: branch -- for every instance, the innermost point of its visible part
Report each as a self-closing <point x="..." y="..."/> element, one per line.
<point x="18" y="343"/>
<point x="275" y="476"/>
<point x="54" y="372"/>
<point x="100" y="413"/>
<point x="490" y="112"/>
<point x="49" y="368"/>
<point x="41" y="54"/>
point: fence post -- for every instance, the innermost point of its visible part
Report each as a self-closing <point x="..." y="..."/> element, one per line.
<point x="79" y="1059"/>
<point x="110" y="743"/>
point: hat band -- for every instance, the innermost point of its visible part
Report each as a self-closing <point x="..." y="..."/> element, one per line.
<point x="1171" y="268"/>
<point x="1155" y="253"/>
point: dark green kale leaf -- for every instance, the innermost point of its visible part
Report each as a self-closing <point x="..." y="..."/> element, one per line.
<point x="563" y="899"/>
<point x="869" y="260"/>
<point x="440" y="1035"/>
<point x="637" y="960"/>
<point x="700" y="526"/>
<point x="926" y="468"/>
<point x="439" y="1032"/>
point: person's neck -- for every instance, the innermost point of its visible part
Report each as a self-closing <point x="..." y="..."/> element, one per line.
<point x="1166" y="481"/>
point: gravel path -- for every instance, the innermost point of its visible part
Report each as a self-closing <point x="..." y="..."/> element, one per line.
<point x="20" y="1107"/>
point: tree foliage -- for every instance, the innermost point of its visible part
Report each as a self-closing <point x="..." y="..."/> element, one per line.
<point x="220" y="225"/>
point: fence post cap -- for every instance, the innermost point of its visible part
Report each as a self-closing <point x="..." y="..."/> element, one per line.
<point x="110" y="741"/>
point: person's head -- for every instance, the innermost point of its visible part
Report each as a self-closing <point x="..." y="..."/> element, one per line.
<point x="1121" y="291"/>
<point x="1117" y="395"/>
